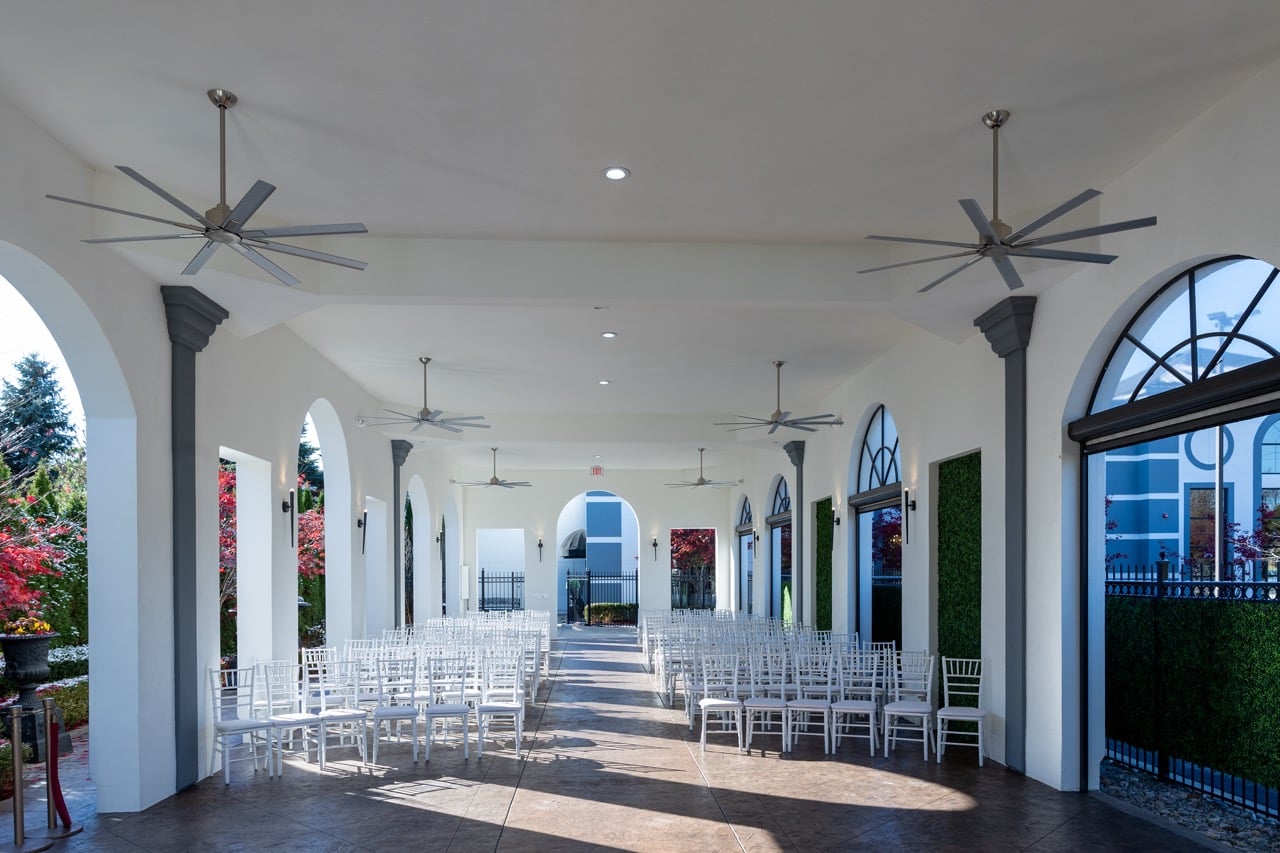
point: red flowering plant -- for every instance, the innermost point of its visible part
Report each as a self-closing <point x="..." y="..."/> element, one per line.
<point x="27" y="551"/>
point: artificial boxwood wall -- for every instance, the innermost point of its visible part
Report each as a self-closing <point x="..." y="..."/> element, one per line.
<point x="960" y="557"/>
<point x="1201" y="676"/>
<point x="823" y="537"/>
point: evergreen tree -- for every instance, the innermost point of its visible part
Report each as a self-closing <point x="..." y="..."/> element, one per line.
<point x="34" y="419"/>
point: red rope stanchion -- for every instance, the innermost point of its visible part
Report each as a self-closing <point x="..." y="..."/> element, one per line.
<point x="53" y="786"/>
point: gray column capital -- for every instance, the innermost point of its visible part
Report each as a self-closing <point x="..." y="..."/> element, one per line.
<point x="400" y="450"/>
<point x="795" y="452"/>
<point x="1007" y="325"/>
<point x="192" y="316"/>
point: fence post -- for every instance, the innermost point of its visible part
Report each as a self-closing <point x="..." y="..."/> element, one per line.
<point x="1157" y="660"/>
<point x="589" y="614"/>
<point x="482" y="590"/>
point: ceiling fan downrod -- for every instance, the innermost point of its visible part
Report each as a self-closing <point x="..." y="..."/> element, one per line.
<point x="224" y="100"/>
<point x="995" y="120"/>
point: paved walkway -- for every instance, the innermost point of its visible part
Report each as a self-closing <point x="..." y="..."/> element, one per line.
<point x="610" y="768"/>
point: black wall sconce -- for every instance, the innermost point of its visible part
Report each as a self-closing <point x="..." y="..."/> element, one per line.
<point x="362" y="524"/>
<point x="539" y="549"/>
<point x="908" y="507"/>
<point x="756" y="533"/>
<point x="655" y="547"/>
<point x="288" y="506"/>
<point x="835" y="516"/>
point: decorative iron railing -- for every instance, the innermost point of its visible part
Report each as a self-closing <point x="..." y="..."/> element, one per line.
<point x="502" y="591"/>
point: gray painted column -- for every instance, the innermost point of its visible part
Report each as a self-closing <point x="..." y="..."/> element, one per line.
<point x="192" y="318"/>
<point x="1007" y="327"/>
<point x="795" y="452"/>
<point x="399" y="452"/>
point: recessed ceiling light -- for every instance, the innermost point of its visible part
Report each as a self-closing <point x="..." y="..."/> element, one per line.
<point x="617" y="173"/>
<point x="604" y="381"/>
<point x="608" y="335"/>
<point x="597" y="456"/>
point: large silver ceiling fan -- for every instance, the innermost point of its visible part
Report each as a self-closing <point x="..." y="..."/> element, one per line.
<point x="702" y="480"/>
<point x="494" y="480"/>
<point x="780" y="418"/>
<point x="425" y="416"/>
<point x="225" y="226"/>
<point x="999" y="242"/>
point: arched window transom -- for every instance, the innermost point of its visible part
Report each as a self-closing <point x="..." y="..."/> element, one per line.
<point x="878" y="464"/>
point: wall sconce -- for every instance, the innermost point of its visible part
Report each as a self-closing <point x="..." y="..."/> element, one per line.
<point x="908" y="507"/>
<point x="655" y="547"/>
<point x="362" y="524"/>
<point x="539" y="549"/>
<point x="288" y="506"/>
<point x="756" y="533"/>
<point x="835" y="517"/>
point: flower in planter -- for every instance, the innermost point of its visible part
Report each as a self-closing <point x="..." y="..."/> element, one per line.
<point x="27" y="625"/>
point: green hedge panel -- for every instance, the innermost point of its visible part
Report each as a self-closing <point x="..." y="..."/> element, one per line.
<point x="960" y="557"/>
<point x="1201" y="676"/>
<point x="823" y="538"/>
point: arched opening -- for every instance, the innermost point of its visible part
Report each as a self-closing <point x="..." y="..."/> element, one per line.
<point x="343" y="584"/>
<point x="875" y="515"/>
<point x="1180" y="536"/>
<point x="746" y="537"/>
<point x="597" y="558"/>
<point x="779" y="521"/>
<point x="454" y="581"/>
<point x="123" y="565"/>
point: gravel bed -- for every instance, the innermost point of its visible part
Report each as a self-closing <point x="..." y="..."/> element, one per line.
<point x="1215" y="819"/>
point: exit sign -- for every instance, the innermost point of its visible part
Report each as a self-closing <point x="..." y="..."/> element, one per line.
<point x="597" y="470"/>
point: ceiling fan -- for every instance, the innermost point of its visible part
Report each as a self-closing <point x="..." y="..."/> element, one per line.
<point x="780" y="418"/>
<point x="224" y="226"/>
<point x="425" y="416"/>
<point x="702" y="480"/>
<point x="999" y="242"/>
<point x="493" y="481"/>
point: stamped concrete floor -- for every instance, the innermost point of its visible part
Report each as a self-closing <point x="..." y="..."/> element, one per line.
<point x="608" y="767"/>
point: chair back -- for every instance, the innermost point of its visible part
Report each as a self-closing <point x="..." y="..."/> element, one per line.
<point x="720" y="675"/>
<point x="232" y="694"/>
<point x="962" y="682"/>
<point x="283" y="681"/>
<point x="813" y="674"/>
<point x="860" y="674"/>
<point x="912" y="677"/>
<point x="397" y="680"/>
<point x="340" y="685"/>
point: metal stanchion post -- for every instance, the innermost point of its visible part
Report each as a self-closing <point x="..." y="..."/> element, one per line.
<point x="53" y="786"/>
<point x="20" y="842"/>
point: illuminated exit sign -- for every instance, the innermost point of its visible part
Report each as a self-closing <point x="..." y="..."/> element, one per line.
<point x="597" y="470"/>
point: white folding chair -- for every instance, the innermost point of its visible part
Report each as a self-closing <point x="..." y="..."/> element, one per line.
<point x="720" y="706"/>
<point x="446" y="691"/>
<point x="856" y="707"/>
<point x="910" y="709"/>
<point x="285" y="712"/>
<point x="765" y="709"/>
<point x="340" y="713"/>
<point x="234" y="723"/>
<point x="397" y="687"/>
<point x="503" y="695"/>
<point x="961" y="703"/>
<point x="809" y="711"/>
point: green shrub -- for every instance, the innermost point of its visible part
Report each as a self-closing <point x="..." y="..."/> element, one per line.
<point x="612" y="613"/>
<point x="73" y="701"/>
<point x="823" y="540"/>
<point x="6" y="767"/>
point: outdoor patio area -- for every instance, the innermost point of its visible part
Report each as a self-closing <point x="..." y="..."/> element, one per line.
<point x="608" y="767"/>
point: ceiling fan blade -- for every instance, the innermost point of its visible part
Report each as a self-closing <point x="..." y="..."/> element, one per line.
<point x="307" y="230"/>
<point x="745" y="420"/>
<point x="404" y="415"/>
<point x="265" y="263"/>
<point x="419" y="425"/>
<point x="1059" y="211"/>
<point x="979" y="220"/>
<point x="773" y="426"/>
<point x="510" y="485"/>
<point x="167" y="196"/>
<point x="453" y="418"/>
<point x="286" y="249"/>
<point x="444" y="425"/>
<point x="937" y="281"/>
<point x="1056" y="255"/>
<point x="679" y="485"/>
<point x="1007" y="272"/>
<point x="144" y="238"/>
<point x="1127" y="225"/>
<point x="919" y="261"/>
<point x="248" y="205"/>
<point x="202" y="257"/>
<point x="810" y="419"/>
<point x="186" y="225"/>
<point x="921" y="240"/>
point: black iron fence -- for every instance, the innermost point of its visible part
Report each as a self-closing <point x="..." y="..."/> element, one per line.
<point x="501" y="591"/>
<point x="1184" y="696"/>
<point x="598" y="598"/>
<point x="693" y="588"/>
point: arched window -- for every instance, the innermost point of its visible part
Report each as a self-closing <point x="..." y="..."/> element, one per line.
<point x="744" y="517"/>
<point x="878" y="463"/>
<point x="781" y="498"/>
<point x="1209" y="321"/>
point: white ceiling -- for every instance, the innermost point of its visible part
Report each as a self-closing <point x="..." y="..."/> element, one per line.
<point x="765" y="140"/>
